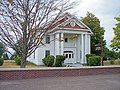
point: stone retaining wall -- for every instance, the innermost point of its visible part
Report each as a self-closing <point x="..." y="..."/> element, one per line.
<point x="18" y="73"/>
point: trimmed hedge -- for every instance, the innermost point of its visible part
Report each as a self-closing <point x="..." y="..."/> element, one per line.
<point x="17" y="60"/>
<point x="1" y="61"/>
<point x="94" y="61"/>
<point x="48" y="61"/>
<point x="59" y="60"/>
<point x="89" y="55"/>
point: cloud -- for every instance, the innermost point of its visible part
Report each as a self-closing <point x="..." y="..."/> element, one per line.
<point x="105" y="10"/>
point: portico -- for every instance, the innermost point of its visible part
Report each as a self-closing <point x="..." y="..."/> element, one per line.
<point x="75" y="48"/>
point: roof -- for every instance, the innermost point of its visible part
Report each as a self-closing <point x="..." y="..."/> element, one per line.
<point x="69" y="22"/>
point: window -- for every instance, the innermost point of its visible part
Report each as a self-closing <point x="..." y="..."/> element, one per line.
<point x="68" y="54"/>
<point x="34" y="55"/>
<point x="47" y="39"/>
<point x="47" y="52"/>
<point x="66" y="39"/>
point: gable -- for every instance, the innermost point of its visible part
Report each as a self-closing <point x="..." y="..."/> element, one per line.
<point x="69" y="22"/>
<point x="58" y="22"/>
<point x="73" y="24"/>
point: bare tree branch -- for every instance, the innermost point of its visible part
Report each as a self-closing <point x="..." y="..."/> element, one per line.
<point x="23" y="23"/>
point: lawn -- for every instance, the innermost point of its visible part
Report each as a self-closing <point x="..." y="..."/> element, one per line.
<point x="112" y="62"/>
<point x="11" y="64"/>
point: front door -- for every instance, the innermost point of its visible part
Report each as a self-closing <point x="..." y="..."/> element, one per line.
<point x="69" y="55"/>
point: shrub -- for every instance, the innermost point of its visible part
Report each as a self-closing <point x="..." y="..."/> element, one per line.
<point x="1" y="61"/>
<point x="2" y="49"/>
<point x="48" y="61"/>
<point x="94" y="61"/>
<point x="17" y="60"/>
<point x="89" y="55"/>
<point x="112" y="62"/>
<point x="59" y="60"/>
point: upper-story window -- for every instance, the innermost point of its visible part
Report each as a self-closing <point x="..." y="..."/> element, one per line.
<point x="47" y="39"/>
<point x="66" y="39"/>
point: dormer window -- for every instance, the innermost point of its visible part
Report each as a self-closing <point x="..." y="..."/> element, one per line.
<point x="48" y="39"/>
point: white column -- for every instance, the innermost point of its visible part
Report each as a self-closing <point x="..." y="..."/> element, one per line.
<point x="86" y="47"/>
<point x="57" y="44"/>
<point x="89" y="44"/>
<point x="78" y="49"/>
<point x="82" y="48"/>
<point x="62" y="43"/>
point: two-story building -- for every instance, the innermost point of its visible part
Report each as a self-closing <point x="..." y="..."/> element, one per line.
<point x="69" y="37"/>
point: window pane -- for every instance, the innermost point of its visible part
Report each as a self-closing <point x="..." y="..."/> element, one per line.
<point x="47" y="52"/>
<point x="66" y="56"/>
<point x="47" y="39"/>
<point x="69" y="55"/>
<point x="34" y="55"/>
<point x="66" y="39"/>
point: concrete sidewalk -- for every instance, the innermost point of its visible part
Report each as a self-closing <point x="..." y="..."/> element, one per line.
<point x="93" y="82"/>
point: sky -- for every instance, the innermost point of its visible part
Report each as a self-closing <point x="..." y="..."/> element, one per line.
<point x="104" y="10"/>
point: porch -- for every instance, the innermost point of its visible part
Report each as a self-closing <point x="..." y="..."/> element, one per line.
<point x="74" y="46"/>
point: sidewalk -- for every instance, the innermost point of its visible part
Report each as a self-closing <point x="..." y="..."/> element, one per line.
<point x="93" y="82"/>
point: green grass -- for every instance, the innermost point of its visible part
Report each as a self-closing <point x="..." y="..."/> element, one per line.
<point x="112" y="62"/>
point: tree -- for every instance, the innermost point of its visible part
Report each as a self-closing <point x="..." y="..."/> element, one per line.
<point x="116" y="40"/>
<point x="24" y="23"/>
<point x="110" y="54"/>
<point x="98" y="32"/>
<point x="1" y="49"/>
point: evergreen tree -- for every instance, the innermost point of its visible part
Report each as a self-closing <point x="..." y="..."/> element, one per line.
<point x="98" y="32"/>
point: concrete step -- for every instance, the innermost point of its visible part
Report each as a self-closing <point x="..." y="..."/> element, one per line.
<point x="73" y="64"/>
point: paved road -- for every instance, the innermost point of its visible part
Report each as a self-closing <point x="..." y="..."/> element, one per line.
<point x="95" y="82"/>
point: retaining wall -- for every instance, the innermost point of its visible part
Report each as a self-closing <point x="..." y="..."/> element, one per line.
<point x="28" y="73"/>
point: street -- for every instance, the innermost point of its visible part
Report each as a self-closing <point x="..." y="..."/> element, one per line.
<point x="93" y="82"/>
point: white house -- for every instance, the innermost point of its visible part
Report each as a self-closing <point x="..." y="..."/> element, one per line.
<point x="69" y="37"/>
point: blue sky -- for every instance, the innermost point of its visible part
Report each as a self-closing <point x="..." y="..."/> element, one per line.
<point x="105" y="10"/>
